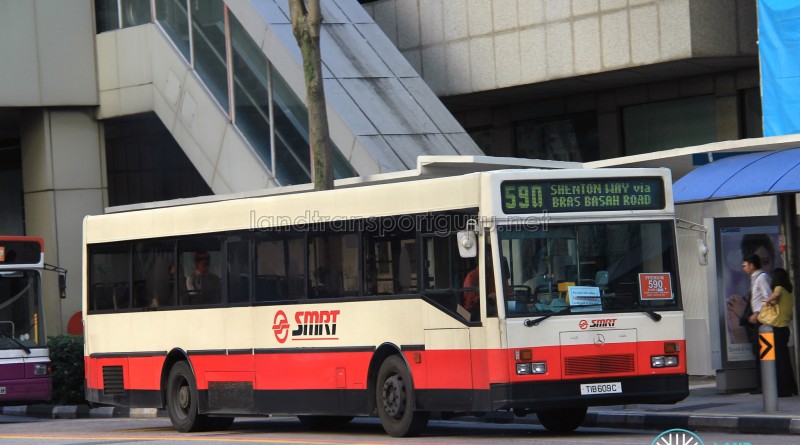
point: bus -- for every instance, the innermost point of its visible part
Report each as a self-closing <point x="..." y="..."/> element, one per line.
<point x="24" y="359"/>
<point x="471" y="285"/>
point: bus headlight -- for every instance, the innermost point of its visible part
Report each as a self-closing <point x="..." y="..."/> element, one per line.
<point x="531" y="368"/>
<point x="664" y="361"/>
<point x="41" y="369"/>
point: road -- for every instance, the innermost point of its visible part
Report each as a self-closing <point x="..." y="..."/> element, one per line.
<point x="22" y="430"/>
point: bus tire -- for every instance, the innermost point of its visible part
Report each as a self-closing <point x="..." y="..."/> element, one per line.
<point x="182" y="401"/>
<point x="396" y="401"/>
<point x="324" y="422"/>
<point x="562" y="420"/>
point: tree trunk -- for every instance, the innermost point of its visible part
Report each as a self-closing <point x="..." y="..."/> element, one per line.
<point x="306" y="21"/>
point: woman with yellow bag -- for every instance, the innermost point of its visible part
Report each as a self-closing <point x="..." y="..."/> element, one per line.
<point x="777" y="312"/>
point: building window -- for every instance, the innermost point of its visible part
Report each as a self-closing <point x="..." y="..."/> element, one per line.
<point x="669" y="124"/>
<point x="173" y="16"/>
<point x="117" y="14"/>
<point x="144" y="163"/>
<point x="210" y="59"/>
<point x="564" y="138"/>
<point x="135" y="12"/>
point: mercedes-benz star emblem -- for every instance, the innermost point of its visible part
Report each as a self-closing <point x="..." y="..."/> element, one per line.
<point x="599" y="340"/>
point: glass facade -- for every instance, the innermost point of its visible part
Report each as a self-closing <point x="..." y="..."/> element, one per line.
<point x="751" y="113"/>
<point x="251" y="91"/>
<point x="135" y="12"/>
<point x="117" y="14"/>
<point x="106" y="14"/>
<point x="291" y="134"/>
<point x="209" y="56"/>
<point x="669" y="124"/>
<point x="259" y="101"/>
<point x="563" y="138"/>
<point x="173" y="16"/>
<point x="144" y="163"/>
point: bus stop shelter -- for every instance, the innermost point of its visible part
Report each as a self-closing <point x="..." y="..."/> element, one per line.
<point x="763" y="173"/>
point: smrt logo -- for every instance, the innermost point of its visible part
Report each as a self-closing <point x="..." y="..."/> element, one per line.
<point x="310" y="325"/>
<point x="599" y="323"/>
<point x="280" y="325"/>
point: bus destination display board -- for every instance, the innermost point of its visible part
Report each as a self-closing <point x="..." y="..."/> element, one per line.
<point x="582" y="195"/>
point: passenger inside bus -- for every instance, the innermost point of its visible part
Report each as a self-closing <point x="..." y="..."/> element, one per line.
<point x="202" y="286"/>
<point x="471" y="286"/>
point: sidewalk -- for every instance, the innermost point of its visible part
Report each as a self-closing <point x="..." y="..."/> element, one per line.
<point x="704" y="410"/>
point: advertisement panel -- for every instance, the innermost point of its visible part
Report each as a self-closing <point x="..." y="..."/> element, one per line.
<point x="737" y="238"/>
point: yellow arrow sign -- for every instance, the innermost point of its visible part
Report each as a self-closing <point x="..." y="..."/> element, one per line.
<point x="766" y="350"/>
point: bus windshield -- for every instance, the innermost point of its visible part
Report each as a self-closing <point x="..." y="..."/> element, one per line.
<point x="589" y="268"/>
<point x="20" y="321"/>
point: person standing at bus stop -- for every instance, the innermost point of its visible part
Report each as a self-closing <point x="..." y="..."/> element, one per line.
<point x="783" y="297"/>
<point x="759" y="292"/>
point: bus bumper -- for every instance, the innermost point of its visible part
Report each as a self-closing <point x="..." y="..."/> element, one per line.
<point x="661" y="389"/>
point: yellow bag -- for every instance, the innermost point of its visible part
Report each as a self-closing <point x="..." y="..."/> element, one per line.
<point x="769" y="314"/>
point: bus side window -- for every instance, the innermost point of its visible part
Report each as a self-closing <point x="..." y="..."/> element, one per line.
<point x="333" y="265"/>
<point x="109" y="267"/>
<point x="153" y="262"/>
<point x="391" y="265"/>
<point x="239" y="271"/>
<point x="280" y="268"/>
<point x="199" y="261"/>
<point x="444" y="271"/>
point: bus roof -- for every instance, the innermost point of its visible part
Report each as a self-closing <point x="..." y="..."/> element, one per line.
<point x="438" y="193"/>
<point x="428" y="167"/>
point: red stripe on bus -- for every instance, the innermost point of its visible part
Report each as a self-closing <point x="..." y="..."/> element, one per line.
<point x="431" y="369"/>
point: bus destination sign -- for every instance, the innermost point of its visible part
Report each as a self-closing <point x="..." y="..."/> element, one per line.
<point x="582" y="195"/>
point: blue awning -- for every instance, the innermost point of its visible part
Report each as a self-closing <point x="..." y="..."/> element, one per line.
<point x="753" y="174"/>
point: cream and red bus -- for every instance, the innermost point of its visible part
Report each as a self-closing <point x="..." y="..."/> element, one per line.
<point x="460" y="288"/>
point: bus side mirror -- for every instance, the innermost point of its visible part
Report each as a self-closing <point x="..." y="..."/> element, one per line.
<point x="702" y="252"/>
<point x="62" y="285"/>
<point x="467" y="245"/>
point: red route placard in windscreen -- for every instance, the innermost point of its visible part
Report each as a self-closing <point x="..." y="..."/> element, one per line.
<point x="655" y="286"/>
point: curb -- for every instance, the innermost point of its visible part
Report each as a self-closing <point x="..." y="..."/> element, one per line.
<point x="80" y="412"/>
<point x="745" y="424"/>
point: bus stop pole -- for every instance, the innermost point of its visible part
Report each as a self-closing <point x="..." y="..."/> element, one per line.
<point x="787" y="213"/>
<point x="769" y="379"/>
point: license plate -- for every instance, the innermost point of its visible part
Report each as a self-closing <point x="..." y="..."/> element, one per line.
<point x="588" y="389"/>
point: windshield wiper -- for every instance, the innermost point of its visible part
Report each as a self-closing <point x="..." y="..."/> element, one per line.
<point x="535" y="322"/>
<point x="19" y="343"/>
<point x="653" y="314"/>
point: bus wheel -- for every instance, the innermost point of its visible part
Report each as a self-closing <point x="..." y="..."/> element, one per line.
<point x="395" y="399"/>
<point x="182" y="400"/>
<point x="324" y="422"/>
<point x="562" y="420"/>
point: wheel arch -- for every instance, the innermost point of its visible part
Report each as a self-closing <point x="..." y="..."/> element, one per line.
<point x="174" y="356"/>
<point x="381" y="353"/>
